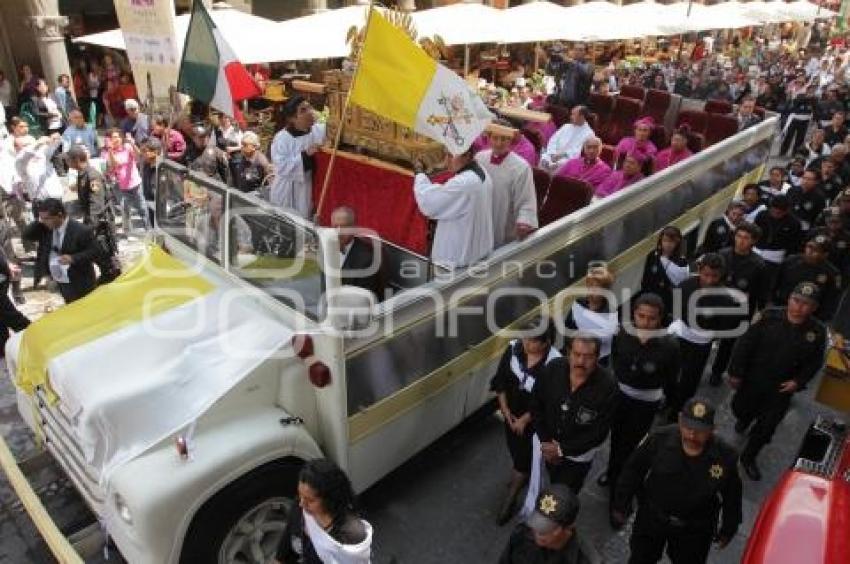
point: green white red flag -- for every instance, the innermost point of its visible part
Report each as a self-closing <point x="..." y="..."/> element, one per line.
<point x="210" y="71"/>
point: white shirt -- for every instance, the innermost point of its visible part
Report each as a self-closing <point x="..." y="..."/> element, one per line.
<point x="514" y="197"/>
<point x="292" y="187"/>
<point x="54" y="120"/>
<point x="464" y="213"/>
<point x="569" y="140"/>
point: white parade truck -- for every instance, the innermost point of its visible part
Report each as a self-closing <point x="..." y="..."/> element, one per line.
<point x="183" y="469"/>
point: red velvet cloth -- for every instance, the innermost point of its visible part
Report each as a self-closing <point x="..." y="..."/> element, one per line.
<point x="382" y="199"/>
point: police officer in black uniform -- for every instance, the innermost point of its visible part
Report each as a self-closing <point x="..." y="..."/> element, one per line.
<point x="775" y="358"/>
<point x="646" y="362"/>
<point x="745" y="273"/>
<point x="684" y="478"/>
<point x="839" y="239"/>
<point x="549" y="534"/>
<point x="807" y="200"/>
<point x="665" y="267"/>
<point x="96" y="202"/>
<point x="721" y="232"/>
<point x="774" y="184"/>
<point x="571" y="409"/>
<point x="811" y="266"/>
<point x="781" y="235"/>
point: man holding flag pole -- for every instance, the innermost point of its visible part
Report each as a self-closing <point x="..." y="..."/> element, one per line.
<point x="396" y="79"/>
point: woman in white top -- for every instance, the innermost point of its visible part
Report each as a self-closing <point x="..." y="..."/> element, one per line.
<point x="45" y="109"/>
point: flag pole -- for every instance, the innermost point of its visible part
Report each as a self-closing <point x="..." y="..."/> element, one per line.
<point x="345" y="106"/>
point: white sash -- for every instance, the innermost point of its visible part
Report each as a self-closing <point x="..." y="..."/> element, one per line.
<point x="681" y="329"/>
<point x="751" y="217"/>
<point x="600" y="325"/>
<point x="526" y="380"/>
<point x="675" y="273"/>
<point x="655" y="394"/>
<point x="539" y="478"/>
<point x="775" y="256"/>
<point x="331" y="551"/>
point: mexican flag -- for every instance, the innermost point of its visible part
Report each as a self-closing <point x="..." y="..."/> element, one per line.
<point x="209" y="71"/>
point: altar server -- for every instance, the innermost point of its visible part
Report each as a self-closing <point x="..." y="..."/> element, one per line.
<point x="293" y="155"/>
<point x="514" y="198"/>
<point x="463" y="210"/>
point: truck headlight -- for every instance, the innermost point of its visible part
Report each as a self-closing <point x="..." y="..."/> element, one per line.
<point x="122" y="509"/>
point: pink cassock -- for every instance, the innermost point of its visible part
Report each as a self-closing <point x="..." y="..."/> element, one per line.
<point x="546" y="130"/>
<point x="667" y="158"/>
<point x="593" y="173"/>
<point x="629" y="145"/>
<point x="615" y="182"/>
<point x="522" y="147"/>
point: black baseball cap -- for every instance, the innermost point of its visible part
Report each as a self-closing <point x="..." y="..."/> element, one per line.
<point x="557" y="506"/>
<point x="698" y="414"/>
<point x="807" y="291"/>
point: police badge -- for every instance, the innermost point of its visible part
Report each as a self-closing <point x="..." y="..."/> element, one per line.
<point x="585" y="416"/>
<point x="716" y="471"/>
<point x="821" y="278"/>
<point x="810" y="336"/>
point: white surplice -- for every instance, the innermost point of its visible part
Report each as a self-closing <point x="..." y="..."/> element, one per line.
<point x="464" y="213"/>
<point x="514" y="198"/>
<point x="568" y="139"/>
<point x="293" y="186"/>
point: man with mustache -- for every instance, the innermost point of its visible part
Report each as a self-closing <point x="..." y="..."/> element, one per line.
<point x="688" y="478"/>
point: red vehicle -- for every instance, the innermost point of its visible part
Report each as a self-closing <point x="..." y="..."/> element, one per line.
<point x="806" y="519"/>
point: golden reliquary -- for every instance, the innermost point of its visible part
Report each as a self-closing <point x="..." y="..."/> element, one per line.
<point x="372" y="134"/>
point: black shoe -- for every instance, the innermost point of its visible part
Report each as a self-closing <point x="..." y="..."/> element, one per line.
<point x="715" y="379"/>
<point x="741" y="426"/>
<point x="751" y="469"/>
<point x="602" y="480"/>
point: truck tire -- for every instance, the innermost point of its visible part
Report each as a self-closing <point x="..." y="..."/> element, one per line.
<point x="243" y="523"/>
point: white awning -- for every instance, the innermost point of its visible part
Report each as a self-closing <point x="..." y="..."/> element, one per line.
<point x="461" y="24"/>
<point x="248" y="35"/>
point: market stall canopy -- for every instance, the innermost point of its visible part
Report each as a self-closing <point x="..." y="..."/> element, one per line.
<point x="602" y="21"/>
<point x="318" y="36"/>
<point x="537" y="21"/>
<point x="697" y="17"/>
<point x="461" y="24"/>
<point x="731" y="15"/>
<point x="766" y="12"/>
<point x="803" y="10"/>
<point x="650" y="14"/>
<point x="249" y="36"/>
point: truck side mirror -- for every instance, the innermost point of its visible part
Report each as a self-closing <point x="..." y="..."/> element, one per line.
<point x="349" y="308"/>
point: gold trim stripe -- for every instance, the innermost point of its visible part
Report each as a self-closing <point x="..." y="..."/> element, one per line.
<point x="371" y="419"/>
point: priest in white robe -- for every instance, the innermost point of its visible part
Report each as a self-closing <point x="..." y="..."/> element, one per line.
<point x="463" y="210"/>
<point x="293" y="153"/>
<point x="514" y="199"/>
<point x="567" y="142"/>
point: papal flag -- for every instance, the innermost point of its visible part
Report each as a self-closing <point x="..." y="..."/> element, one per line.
<point x="398" y="80"/>
<point x="210" y="71"/>
<point x="141" y="358"/>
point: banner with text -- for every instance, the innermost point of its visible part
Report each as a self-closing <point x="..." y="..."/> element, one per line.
<point x="148" y="27"/>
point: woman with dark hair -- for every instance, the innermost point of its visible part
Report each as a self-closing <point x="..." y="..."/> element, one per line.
<point x="594" y="313"/>
<point x="521" y="365"/>
<point x="323" y="528"/>
<point x="665" y="267"/>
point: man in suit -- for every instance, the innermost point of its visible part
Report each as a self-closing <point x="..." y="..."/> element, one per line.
<point x="66" y="250"/>
<point x="360" y="263"/>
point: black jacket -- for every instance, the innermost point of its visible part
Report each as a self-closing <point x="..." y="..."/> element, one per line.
<point x="94" y="195"/>
<point x="361" y="257"/>
<point x="78" y="242"/>
<point x="773" y="350"/>
<point x="579" y="420"/>
<point x="645" y="366"/>
<point x="795" y="270"/>
<point x="719" y="235"/>
<point x="672" y="484"/>
<point x="655" y="279"/>
<point x="779" y="234"/>
<point x="522" y="549"/>
<point x="506" y="381"/>
<point x="806" y="206"/>
<point x="747" y="273"/>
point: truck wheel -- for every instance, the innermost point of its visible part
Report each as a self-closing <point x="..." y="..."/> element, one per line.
<point x="244" y="522"/>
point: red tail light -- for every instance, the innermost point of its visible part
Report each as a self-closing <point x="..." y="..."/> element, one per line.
<point x="319" y="374"/>
<point x="302" y="345"/>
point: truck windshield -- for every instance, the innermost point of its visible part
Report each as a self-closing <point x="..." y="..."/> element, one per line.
<point x="244" y="235"/>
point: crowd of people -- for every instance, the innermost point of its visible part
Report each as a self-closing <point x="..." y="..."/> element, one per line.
<point x="780" y="255"/>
